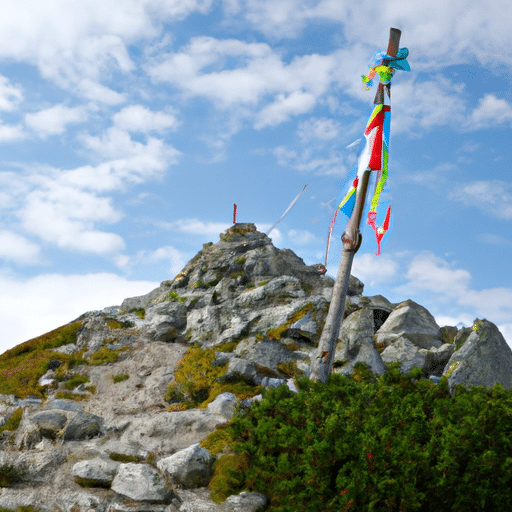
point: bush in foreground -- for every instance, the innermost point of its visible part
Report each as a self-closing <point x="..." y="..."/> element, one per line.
<point x="393" y="443"/>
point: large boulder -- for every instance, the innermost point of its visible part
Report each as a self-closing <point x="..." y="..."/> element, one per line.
<point x="141" y="482"/>
<point x="485" y="359"/>
<point x="413" y="322"/>
<point x="356" y="343"/>
<point x="95" y="472"/>
<point x="191" y="467"/>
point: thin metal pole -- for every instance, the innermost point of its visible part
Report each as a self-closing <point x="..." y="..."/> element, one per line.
<point x="323" y="359"/>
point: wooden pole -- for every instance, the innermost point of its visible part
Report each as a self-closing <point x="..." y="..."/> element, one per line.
<point x="323" y="359"/>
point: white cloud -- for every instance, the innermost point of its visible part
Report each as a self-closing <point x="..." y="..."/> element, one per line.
<point x="495" y="304"/>
<point x="173" y="258"/>
<point x="136" y="118"/>
<point x="493" y="197"/>
<point x="372" y="269"/>
<point x="284" y="107"/>
<point x="11" y="133"/>
<point x="205" y="68"/>
<point x="197" y="227"/>
<point x="31" y="307"/>
<point x="426" y="105"/>
<point x="301" y="237"/>
<point x="429" y="272"/>
<point x="490" y="112"/>
<point x="18" y="249"/>
<point x="53" y="120"/>
<point x="65" y="216"/>
<point x="10" y="95"/>
<point x="80" y="44"/>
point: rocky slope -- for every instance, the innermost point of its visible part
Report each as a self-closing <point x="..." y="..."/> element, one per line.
<point x="111" y="417"/>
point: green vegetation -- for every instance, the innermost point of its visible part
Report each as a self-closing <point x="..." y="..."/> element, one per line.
<point x="121" y="457"/>
<point x="68" y="395"/>
<point x="104" y="355"/>
<point x="241" y="260"/>
<point x="279" y="331"/>
<point x="173" y="296"/>
<point x="116" y="324"/>
<point x="13" y="422"/>
<point x="20" y="509"/>
<point x="9" y="475"/>
<point x="89" y="483"/>
<point x="120" y="378"/>
<point x="75" y="381"/>
<point x="198" y="382"/>
<point x="140" y="312"/>
<point x="22" y="366"/>
<point x="366" y="443"/>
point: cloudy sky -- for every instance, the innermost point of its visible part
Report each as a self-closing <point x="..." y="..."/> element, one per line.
<point x="128" y="128"/>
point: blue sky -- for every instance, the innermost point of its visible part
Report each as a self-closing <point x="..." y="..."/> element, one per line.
<point x="129" y="128"/>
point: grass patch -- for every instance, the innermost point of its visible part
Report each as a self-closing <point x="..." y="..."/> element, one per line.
<point x="114" y="324"/>
<point x="68" y="395"/>
<point x="140" y="312"/>
<point x="120" y="378"/>
<point x="13" y="422"/>
<point x="198" y="382"/>
<point x="104" y="355"/>
<point x="75" y="381"/>
<point x="125" y="459"/>
<point x="278" y="332"/>
<point x="9" y="475"/>
<point x="22" y="366"/>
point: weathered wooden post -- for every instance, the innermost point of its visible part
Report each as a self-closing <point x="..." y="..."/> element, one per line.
<point x="321" y="364"/>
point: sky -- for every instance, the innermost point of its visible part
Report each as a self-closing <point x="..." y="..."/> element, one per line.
<point x="128" y="129"/>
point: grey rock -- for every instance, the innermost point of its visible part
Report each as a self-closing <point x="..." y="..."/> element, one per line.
<point x="167" y="432"/>
<point x="64" y="405"/>
<point x="83" y="426"/>
<point x="27" y="434"/>
<point x="50" y="423"/>
<point x="485" y="359"/>
<point x="95" y="472"/>
<point x="30" y="400"/>
<point x="244" y="502"/>
<point x="407" y="353"/>
<point x="191" y="467"/>
<point x="141" y="482"/>
<point x="356" y="343"/>
<point x="437" y="358"/>
<point x="241" y="369"/>
<point x="224" y="405"/>
<point x="221" y="358"/>
<point x="412" y="322"/>
<point x="166" y="321"/>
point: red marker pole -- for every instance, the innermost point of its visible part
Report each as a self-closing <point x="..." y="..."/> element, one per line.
<point x="234" y="213"/>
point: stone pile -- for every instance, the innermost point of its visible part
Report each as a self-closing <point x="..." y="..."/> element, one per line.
<point x="263" y="310"/>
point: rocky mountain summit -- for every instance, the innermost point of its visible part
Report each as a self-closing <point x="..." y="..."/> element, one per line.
<point x="113" y="412"/>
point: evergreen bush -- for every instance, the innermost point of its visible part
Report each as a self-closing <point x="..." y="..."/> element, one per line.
<point x="362" y="443"/>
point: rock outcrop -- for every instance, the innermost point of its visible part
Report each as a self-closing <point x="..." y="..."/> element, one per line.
<point x="107" y="435"/>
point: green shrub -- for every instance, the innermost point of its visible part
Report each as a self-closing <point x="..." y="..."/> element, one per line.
<point x="362" y="443"/>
